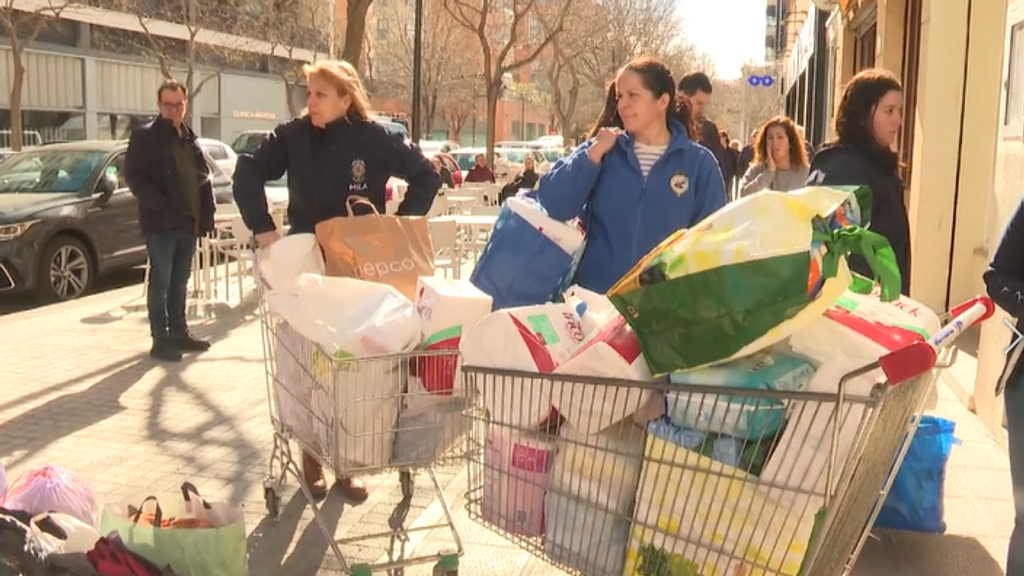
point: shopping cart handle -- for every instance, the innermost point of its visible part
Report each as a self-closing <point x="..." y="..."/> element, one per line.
<point x="920" y="356"/>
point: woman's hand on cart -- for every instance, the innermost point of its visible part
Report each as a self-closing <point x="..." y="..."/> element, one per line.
<point x="265" y="239"/>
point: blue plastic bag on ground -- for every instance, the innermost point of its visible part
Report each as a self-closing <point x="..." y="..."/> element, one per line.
<point x="529" y="259"/>
<point x="915" y="501"/>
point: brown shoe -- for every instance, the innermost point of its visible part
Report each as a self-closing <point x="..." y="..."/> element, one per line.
<point x="352" y="489"/>
<point x="313" y="475"/>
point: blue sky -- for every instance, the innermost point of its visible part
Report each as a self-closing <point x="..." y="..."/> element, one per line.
<point x="730" y="30"/>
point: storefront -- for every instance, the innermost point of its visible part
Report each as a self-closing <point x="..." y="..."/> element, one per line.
<point x="249" y="103"/>
<point x="806" y="77"/>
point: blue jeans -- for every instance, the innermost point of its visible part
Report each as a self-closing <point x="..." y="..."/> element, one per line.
<point x="170" y="265"/>
<point x="1013" y="397"/>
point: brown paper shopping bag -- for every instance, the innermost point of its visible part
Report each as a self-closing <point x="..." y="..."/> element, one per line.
<point x="393" y="250"/>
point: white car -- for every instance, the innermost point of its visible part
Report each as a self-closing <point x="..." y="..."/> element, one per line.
<point x="221" y="153"/>
<point x="515" y="157"/>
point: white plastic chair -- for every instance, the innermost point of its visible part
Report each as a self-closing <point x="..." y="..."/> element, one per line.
<point x="439" y="207"/>
<point x="485" y="210"/>
<point x="444" y="236"/>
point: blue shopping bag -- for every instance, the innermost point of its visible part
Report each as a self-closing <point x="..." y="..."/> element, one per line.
<point x="915" y="501"/>
<point x="520" y="265"/>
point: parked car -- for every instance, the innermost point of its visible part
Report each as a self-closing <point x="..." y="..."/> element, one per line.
<point x="430" y="147"/>
<point x="466" y="157"/>
<point x="67" y="218"/>
<point x="221" y="153"/>
<point x="247" y="142"/>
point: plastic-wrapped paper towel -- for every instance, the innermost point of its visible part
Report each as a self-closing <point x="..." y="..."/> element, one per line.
<point x="532" y="339"/>
<point x="516" y="476"/>
<point x="447" y="308"/>
<point x="855" y="332"/>
<point x="288" y="258"/>
<point x="589" y="503"/>
<point x="613" y="351"/>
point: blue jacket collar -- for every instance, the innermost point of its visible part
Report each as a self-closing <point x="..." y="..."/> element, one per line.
<point x="680" y="138"/>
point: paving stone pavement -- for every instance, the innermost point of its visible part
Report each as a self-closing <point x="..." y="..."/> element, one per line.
<point x="78" y="389"/>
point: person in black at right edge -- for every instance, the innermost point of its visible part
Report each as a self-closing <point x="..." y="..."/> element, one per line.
<point x="333" y="151"/>
<point x="696" y="88"/>
<point x="867" y="124"/>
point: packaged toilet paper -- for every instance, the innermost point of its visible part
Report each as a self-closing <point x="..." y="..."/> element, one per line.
<point x="853" y="333"/>
<point x="589" y="503"/>
<point x="517" y="472"/>
<point x="613" y="351"/>
<point x="531" y="339"/>
<point x="447" y="308"/>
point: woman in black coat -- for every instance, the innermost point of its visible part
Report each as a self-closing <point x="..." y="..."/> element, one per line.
<point x="867" y="124"/>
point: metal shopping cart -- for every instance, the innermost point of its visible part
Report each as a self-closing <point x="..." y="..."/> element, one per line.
<point x="759" y="483"/>
<point x="362" y="416"/>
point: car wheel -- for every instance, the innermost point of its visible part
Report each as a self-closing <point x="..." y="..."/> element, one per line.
<point x="66" y="270"/>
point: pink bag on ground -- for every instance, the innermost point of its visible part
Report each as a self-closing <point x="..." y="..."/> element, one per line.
<point x="53" y="489"/>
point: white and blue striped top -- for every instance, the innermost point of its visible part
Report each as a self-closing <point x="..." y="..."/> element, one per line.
<point x="647" y="155"/>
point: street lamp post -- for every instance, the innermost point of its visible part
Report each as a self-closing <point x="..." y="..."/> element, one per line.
<point x="417" y="72"/>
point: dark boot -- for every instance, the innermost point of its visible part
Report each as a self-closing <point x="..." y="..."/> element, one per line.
<point x="352" y="489"/>
<point x="313" y="476"/>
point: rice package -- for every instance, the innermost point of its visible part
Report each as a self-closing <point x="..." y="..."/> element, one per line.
<point x="749" y="275"/>
<point x="447" y="308"/>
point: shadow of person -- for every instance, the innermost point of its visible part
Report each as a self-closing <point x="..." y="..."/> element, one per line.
<point x="269" y="543"/>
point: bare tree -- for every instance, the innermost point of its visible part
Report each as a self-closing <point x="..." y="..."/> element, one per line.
<point x="510" y="35"/>
<point x="355" y="30"/>
<point x="291" y="25"/>
<point x="22" y="29"/>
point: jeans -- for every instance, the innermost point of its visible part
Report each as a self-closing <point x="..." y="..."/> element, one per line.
<point x="170" y="265"/>
<point x="1013" y="396"/>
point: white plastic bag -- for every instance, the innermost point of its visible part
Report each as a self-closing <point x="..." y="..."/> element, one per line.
<point x="289" y="258"/>
<point x="80" y="536"/>
<point x="349" y="318"/>
<point x="568" y="238"/>
<point x="595" y="310"/>
<point x="53" y="489"/>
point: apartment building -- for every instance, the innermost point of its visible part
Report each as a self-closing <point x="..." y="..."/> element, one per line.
<point x="93" y="73"/>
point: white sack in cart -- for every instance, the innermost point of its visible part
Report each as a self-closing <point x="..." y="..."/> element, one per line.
<point x="340" y="409"/>
<point x="531" y="339"/>
<point x="854" y="332"/>
<point x="349" y="318"/>
<point x="429" y="425"/>
<point x="288" y="258"/>
<point x="594" y="309"/>
<point x="706" y="506"/>
<point x="611" y="352"/>
<point x="447" y="309"/>
<point x="589" y="504"/>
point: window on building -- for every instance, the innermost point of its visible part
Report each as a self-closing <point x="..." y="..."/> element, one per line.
<point x="864" y="49"/>
<point x="118" y="126"/>
<point x="1014" y="113"/>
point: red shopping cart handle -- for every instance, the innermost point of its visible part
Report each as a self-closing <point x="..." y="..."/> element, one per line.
<point x="919" y="357"/>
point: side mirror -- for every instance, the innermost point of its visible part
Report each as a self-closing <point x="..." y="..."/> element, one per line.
<point x="106" y="186"/>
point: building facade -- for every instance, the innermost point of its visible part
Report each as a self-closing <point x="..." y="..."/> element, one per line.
<point x="87" y="77"/>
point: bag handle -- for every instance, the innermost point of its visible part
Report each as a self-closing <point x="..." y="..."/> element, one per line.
<point x="353" y="200"/>
<point x="188" y="488"/>
<point x="158" y="515"/>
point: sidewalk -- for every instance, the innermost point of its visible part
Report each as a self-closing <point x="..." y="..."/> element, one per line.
<point x="79" y="390"/>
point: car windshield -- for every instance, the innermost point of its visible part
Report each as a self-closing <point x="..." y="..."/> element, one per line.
<point x="49" y="171"/>
<point x="248" y="142"/>
<point x="551" y="155"/>
<point x="517" y="156"/>
<point x="465" y="159"/>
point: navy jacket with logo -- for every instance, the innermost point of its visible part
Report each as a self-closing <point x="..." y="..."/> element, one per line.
<point x="325" y="166"/>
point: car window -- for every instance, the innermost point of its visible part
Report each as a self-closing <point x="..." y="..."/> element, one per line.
<point x="115" y="170"/>
<point x="248" y="142"/>
<point x="465" y="160"/>
<point x="49" y="171"/>
<point x="449" y="164"/>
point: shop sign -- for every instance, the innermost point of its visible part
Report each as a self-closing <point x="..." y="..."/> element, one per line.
<point x="246" y="115"/>
<point x="802" y="50"/>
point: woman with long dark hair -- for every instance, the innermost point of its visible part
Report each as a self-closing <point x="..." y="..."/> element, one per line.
<point x="780" y="159"/>
<point x="638" y="178"/>
<point x="867" y="125"/>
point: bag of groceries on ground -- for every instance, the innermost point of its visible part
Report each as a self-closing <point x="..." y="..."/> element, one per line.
<point x="750" y="275"/>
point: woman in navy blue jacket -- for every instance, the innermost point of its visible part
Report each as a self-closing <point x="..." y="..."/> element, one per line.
<point x="1004" y="281"/>
<point x="639" y="178"/>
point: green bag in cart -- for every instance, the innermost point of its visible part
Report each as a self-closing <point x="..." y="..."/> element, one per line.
<point x="750" y="275"/>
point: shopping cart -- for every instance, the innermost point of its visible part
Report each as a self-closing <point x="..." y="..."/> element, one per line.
<point x="359" y="417"/>
<point x="769" y="482"/>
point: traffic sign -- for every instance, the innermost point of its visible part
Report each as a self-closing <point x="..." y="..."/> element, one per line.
<point x="756" y="80"/>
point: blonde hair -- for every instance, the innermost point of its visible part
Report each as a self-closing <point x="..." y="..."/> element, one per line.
<point x="345" y="80"/>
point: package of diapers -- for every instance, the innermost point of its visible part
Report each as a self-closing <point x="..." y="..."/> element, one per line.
<point x="613" y="351"/>
<point x="590" y="499"/>
<point x="853" y="333"/>
<point x="447" y="308"/>
<point x="744" y="417"/>
<point x="530" y="339"/>
<point x="517" y="472"/>
<point x="285" y="260"/>
<point x="720" y="524"/>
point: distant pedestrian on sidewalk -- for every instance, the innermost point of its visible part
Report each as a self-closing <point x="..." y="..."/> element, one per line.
<point x="696" y="88"/>
<point x="167" y="172"/>
<point x="780" y="159"/>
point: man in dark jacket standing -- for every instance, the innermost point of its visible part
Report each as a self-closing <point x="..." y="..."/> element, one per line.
<point x="167" y="173"/>
<point x="696" y="88"/>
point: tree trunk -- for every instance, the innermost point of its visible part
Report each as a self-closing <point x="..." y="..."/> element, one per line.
<point x="428" y="115"/>
<point x="493" y="92"/>
<point x="17" y="127"/>
<point x="355" y="31"/>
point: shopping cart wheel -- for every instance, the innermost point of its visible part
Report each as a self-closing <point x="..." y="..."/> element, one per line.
<point x="272" y="500"/>
<point x="405" y="479"/>
<point x="448" y="565"/>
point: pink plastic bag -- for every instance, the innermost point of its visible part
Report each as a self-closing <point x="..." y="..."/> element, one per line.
<point x="53" y="489"/>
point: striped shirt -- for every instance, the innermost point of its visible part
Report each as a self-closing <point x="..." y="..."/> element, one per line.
<point x="647" y="155"/>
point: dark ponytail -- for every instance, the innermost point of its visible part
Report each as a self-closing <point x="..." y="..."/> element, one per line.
<point x="657" y="78"/>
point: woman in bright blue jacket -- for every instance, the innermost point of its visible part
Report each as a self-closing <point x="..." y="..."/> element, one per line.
<point x="639" y="178"/>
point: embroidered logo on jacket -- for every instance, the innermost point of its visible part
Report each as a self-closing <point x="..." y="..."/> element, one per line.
<point x="358" y="175"/>
<point x="679" y="183"/>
